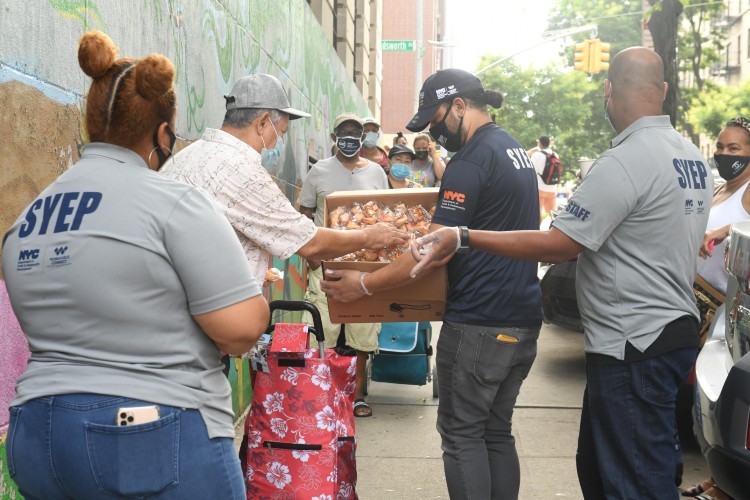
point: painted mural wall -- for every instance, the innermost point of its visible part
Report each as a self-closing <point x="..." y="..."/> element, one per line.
<point x="212" y="43"/>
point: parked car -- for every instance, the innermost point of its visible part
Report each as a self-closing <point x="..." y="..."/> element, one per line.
<point x="559" y="303"/>
<point x="558" y="282"/>
<point x="721" y="412"/>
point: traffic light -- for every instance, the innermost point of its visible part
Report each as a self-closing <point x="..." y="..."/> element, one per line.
<point x="595" y="61"/>
<point x="604" y="56"/>
<point x="599" y="56"/>
<point x="581" y="58"/>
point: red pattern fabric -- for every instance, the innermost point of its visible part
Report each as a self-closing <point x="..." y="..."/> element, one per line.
<point x="302" y="405"/>
<point x="290" y="338"/>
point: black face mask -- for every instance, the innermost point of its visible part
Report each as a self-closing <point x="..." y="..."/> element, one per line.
<point x="160" y="155"/>
<point x="349" y="146"/>
<point x="449" y="140"/>
<point x="421" y="155"/>
<point x="730" y="166"/>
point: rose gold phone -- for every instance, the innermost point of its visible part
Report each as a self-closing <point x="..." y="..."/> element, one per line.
<point x="135" y="415"/>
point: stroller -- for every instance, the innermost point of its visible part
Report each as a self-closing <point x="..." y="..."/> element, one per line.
<point x="300" y="429"/>
<point x="404" y="356"/>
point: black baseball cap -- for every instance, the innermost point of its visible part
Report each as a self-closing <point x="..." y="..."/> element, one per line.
<point x="444" y="85"/>
<point x="399" y="149"/>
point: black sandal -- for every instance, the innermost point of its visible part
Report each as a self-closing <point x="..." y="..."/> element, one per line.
<point x="696" y="490"/>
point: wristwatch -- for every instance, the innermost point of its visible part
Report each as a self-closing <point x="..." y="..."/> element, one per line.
<point x="464" y="240"/>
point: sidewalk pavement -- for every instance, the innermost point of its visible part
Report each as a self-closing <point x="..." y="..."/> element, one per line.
<point x="398" y="448"/>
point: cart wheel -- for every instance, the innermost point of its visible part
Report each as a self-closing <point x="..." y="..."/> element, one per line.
<point x="434" y="382"/>
<point x="368" y="374"/>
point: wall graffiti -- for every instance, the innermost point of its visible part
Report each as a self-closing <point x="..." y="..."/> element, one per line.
<point x="212" y="43"/>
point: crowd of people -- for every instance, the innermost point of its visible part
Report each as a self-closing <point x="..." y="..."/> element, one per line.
<point x="131" y="320"/>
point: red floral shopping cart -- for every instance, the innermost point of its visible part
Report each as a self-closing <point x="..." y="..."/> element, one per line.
<point x="300" y="429"/>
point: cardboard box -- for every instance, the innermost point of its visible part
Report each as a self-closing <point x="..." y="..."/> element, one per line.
<point x="423" y="300"/>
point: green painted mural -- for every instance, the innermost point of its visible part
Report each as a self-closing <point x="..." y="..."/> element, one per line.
<point x="8" y="490"/>
<point x="212" y="43"/>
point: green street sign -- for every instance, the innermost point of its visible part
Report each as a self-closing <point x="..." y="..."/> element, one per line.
<point x="398" y="45"/>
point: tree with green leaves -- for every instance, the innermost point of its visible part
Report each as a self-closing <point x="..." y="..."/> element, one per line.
<point x="618" y="22"/>
<point x="699" y="40"/>
<point x="699" y="47"/>
<point x="551" y="101"/>
<point x="712" y="108"/>
<point x="569" y="104"/>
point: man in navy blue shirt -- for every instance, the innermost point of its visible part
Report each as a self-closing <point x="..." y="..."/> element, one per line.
<point x="493" y="315"/>
<point x="635" y="224"/>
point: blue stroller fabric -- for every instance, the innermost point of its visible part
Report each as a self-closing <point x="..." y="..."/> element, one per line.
<point x="403" y="355"/>
<point x="397" y="337"/>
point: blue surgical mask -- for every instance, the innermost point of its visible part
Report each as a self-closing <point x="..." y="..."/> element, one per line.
<point x="399" y="171"/>
<point x="349" y="146"/>
<point x="371" y="139"/>
<point x="269" y="157"/>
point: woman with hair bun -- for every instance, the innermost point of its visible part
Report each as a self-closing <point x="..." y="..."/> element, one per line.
<point x="127" y="285"/>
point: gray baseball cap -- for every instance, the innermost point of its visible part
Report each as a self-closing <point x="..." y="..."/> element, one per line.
<point x="259" y="90"/>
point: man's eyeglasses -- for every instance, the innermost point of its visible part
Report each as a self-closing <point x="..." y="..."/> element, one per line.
<point x="349" y="133"/>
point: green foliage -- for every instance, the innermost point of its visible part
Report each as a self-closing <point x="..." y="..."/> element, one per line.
<point x="569" y="104"/>
<point x="618" y="21"/>
<point x="712" y="108"/>
<point x="551" y="101"/>
<point x="700" y="40"/>
<point x="699" y="45"/>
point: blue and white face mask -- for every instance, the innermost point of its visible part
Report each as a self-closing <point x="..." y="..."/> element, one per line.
<point x="269" y="157"/>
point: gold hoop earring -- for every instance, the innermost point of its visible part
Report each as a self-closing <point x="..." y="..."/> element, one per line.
<point x="148" y="162"/>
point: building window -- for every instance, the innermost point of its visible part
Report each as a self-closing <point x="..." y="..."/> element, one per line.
<point x="354" y="43"/>
<point x="739" y="50"/>
<point x="727" y="56"/>
<point x="335" y="24"/>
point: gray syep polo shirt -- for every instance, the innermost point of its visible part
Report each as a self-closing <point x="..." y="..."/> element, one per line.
<point x="104" y="270"/>
<point x="641" y="213"/>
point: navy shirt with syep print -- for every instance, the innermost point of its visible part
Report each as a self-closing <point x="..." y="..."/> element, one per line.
<point x="491" y="184"/>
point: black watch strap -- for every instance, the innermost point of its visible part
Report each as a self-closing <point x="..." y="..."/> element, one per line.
<point x="464" y="246"/>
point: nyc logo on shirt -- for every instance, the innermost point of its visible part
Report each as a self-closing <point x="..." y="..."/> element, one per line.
<point x="57" y="213"/>
<point x="453" y="200"/>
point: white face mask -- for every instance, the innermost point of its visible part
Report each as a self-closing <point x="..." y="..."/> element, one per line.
<point x="371" y="139"/>
<point x="269" y="157"/>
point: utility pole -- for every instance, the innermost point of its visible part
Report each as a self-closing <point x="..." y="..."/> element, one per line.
<point x="419" y="53"/>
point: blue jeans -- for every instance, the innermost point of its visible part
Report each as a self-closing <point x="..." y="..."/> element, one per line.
<point x="626" y="444"/>
<point x="479" y="378"/>
<point x="68" y="446"/>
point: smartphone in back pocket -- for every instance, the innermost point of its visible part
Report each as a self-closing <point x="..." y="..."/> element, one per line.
<point x="135" y="415"/>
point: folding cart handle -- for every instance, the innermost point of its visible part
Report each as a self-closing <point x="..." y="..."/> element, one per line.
<point x="302" y="305"/>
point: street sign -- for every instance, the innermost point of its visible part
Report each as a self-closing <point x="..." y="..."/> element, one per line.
<point x="398" y="45"/>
